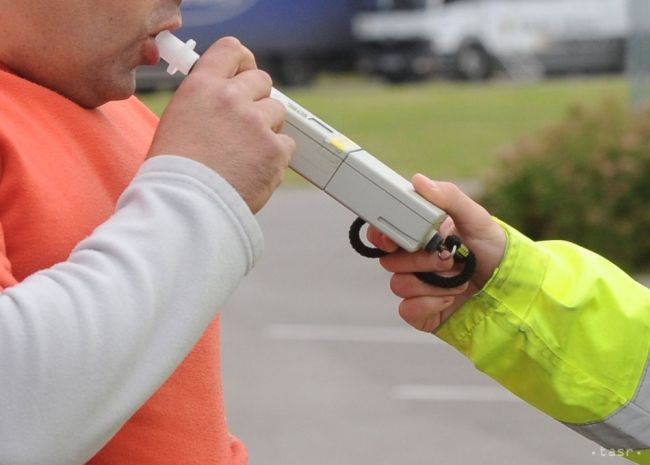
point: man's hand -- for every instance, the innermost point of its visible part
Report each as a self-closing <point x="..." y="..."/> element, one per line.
<point x="223" y="117"/>
<point x="426" y="307"/>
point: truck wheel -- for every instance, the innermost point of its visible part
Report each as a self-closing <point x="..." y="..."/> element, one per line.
<point x="473" y="63"/>
<point x="407" y="75"/>
<point x="401" y="77"/>
<point x="295" y="71"/>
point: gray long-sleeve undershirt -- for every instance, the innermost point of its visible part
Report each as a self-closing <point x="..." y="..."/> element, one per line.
<point x="85" y="343"/>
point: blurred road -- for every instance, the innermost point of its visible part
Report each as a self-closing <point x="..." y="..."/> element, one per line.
<point x="320" y="370"/>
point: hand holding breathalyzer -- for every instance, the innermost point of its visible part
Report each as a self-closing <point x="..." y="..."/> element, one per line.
<point x="351" y="175"/>
<point x="222" y="116"/>
<point x="425" y="307"/>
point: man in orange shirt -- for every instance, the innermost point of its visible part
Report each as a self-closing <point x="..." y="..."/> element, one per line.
<point x="120" y="237"/>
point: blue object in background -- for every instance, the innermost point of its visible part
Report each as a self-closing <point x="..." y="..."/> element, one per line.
<point x="292" y="39"/>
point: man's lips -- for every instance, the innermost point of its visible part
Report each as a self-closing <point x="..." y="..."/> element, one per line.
<point x="150" y="52"/>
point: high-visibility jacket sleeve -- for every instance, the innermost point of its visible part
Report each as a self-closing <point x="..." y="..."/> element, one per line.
<point x="568" y="332"/>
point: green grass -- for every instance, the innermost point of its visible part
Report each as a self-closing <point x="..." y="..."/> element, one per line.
<point x="442" y="129"/>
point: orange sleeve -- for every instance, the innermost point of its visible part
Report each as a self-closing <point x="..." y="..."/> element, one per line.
<point x="6" y="277"/>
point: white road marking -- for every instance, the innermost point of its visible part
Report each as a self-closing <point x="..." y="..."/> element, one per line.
<point x="453" y="393"/>
<point x="349" y="333"/>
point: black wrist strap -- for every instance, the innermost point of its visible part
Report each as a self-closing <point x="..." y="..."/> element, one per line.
<point x="451" y="244"/>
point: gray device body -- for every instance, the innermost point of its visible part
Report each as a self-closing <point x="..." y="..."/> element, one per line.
<point x="338" y="166"/>
<point x="358" y="180"/>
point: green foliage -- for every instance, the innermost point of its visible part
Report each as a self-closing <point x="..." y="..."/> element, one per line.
<point x="586" y="180"/>
<point x="445" y="130"/>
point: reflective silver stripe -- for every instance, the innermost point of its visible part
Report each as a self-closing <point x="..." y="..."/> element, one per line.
<point x="628" y="427"/>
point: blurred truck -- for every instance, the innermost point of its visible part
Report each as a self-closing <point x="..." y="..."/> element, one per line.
<point x="471" y="39"/>
<point x="292" y="40"/>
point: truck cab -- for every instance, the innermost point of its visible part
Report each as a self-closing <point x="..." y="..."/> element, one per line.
<point x="410" y="39"/>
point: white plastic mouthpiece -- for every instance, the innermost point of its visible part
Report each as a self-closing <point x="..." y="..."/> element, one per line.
<point x="180" y="55"/>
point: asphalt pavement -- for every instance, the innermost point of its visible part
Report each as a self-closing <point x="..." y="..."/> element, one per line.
<point x="319" y="369"/>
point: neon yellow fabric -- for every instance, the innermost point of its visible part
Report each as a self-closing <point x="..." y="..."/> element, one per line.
<point x="559" y="326"/>
<point x="642" y="457"/>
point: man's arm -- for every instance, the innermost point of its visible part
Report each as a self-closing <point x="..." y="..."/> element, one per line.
<point x="559" y="326"/>
<point x="84" y="343"/>
<point x="567" y="331"/>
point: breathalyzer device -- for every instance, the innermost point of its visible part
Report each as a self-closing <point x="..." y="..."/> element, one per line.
<point x="341" y="168"/>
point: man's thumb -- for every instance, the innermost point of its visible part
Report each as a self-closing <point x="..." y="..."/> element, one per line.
<point x="448" y="197"/>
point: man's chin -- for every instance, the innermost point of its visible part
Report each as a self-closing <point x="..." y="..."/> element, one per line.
<point x="118" y="89"/>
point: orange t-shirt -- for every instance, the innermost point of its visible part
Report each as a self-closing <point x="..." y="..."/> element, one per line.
<point x="62" y="169"/>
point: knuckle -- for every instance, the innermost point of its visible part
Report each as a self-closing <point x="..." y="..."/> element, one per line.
<point x="291" y="145"/>
<point x="265" y="77"/>
<point x="235" y="46"/>
<point x="276" y="147"/>
<point x="286" y="156"/>
<point x="252" y="118"/>
<point x="372" y="234"/>
<point x="279" y="179"/>
<point x="247" y="54"/>
<point x="280" y="150"/>
<point x="272" y="110"/>
<point x="397" y="285"/>
<point x="230" y="42"/>
<point x="422" y="261"/>
<point x="449" y="187"/>
<point x="197" y="81"/>
<point x="387" y="264"/>
<point x="229" y="95"/>
<point x="404" y="310"/>
<point x="278" y="108"/>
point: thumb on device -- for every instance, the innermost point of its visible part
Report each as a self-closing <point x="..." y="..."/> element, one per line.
<point x="441" y="194"/>
<point x="447" y="196"/>
<point x="472" y="223"/>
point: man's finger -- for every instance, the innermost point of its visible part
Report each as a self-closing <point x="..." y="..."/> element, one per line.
<point x="407" y="286"/>
<point x="381" y="241"/>
<point x="226" y="58"/>
<point x="258" y="84"/>
<point x="450" y="198"/>
<point x="425" y="313"/>
<point x="405" y="262"/>
<point x="273" y="112"/>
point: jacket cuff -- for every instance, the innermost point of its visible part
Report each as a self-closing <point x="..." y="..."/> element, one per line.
<point x="510" y="291"/>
